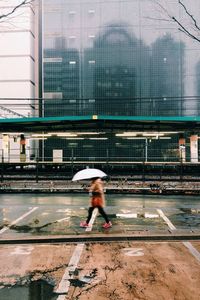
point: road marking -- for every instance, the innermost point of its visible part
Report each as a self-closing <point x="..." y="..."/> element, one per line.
<point x="22" y="250"/>
<point x="65" y="283"/>
<point x="151" y="216"/>
<point x="19" y="219"/>
<point x="125" y="211"/>
<point x="45" y="214"/>
<point x="94" y="214"/>
<point x="126" y="216"/>
<point x="64" y="219"/>
<point x="133" y="251"/>
<point x="191" y="248"/>
<point x="67" y="210"/>
<point x="188" y="245"/>
<point x="169" y="223"/>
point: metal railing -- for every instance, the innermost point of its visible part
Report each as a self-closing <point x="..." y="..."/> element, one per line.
<point x="33" y="155"/>
<point x="157" y="106"/>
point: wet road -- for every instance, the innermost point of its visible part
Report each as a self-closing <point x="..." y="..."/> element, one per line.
<point x="67" y="271"/>
<point x="50" y="214"/>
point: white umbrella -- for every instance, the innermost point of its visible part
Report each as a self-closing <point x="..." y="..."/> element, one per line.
<point x="88" y="173"/>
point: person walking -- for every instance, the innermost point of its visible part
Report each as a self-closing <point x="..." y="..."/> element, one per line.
<point x="97" y="201"/>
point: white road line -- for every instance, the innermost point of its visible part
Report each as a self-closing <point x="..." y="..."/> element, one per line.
<point x="94" y="214"/>
<point x="22" y="250"/>
<point x="19" y="219"/>
<point x="65" y="283"/>
<point x="127" y="216"/>
<point x="64" y="219"/>
<point x="191" y="248"/>
<point x="169" y="223"/>
<point x="188" y="245"/>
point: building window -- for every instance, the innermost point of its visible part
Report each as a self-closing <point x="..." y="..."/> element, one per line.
<point x="91" y="12"/>
<point x="52" y="59"/>
<point x="91" y="100"/>
<point x="72" y="12"/>
<point x="53" y="95"/>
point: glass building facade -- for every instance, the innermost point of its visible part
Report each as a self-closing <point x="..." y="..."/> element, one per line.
<point x="117" y="57"/>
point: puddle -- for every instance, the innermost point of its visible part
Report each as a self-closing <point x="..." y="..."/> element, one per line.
<point x="186" y="220"/>
<point x="37" y="290"/>
<point x="190" y="210"/>
<point x="83" y="280"/>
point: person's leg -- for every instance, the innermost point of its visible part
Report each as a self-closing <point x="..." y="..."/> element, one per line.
<point x="103" y="213"/>
<point x="85" y="223"/>
<point x="90" y="211"/>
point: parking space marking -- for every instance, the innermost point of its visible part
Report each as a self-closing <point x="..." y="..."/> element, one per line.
<point x="19" y="219"/>
<point x="94" y="214"/>
<point x="127" y="216"/>
<point x="73" y="263"/>
<point x="133" y="251"/>
<point x="64" y="285"/>
<point x="194" y="251"/>
<point x="169" y="223"/>
<point x="188" y="245"/>
<point x="63" y="219"/>
<point x="22" y="250"/>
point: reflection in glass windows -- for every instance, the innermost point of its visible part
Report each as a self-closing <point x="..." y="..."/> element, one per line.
<point x="107" y="57"/>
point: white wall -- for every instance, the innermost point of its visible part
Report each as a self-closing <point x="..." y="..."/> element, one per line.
<point x="17" y="65"/>
<point x="17" y="47"/>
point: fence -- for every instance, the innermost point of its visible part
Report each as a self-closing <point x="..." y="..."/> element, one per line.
<point x="165" y="106"/>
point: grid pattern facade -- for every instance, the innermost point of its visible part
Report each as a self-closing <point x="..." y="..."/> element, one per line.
<point x="116" y="57"/>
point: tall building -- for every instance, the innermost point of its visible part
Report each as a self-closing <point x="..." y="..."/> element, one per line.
<point x="115" y="57"/>
<point x="18" y="69"/>
<point x="17" y="53"/>
<point x="112" y="77"/>
<point x="167" y="86"/>
<point x="110" y="58"/>
<point x="197" y="98"/>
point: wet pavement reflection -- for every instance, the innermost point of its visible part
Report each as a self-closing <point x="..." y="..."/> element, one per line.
<point x="36" y="290"/>
<point x="52" y="214"/>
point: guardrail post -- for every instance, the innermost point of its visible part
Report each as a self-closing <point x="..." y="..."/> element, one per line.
<point x="72" y="161"/>
<point x="107" y="159"/>
<point x="37" y="169"/>
<point x="2" y="167"/>
<point x="181" y="171"/>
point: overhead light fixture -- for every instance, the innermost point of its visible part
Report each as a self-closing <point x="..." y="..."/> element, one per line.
<point x="74" y="138"/>
<point x="153" y="134"/>
<point x="13" y="133"/>
<point x="103" y="138"/>
<point x="136" y="138"/>
<point x="59" y="134"/>
<point x="150" y="137"/>
<point x="126" y="134"/>
<point x="39" y="138"/>
<point x="146" y="133"/>
<point x="40" y="135"/>
<point x="66" y="134"/>
<point x="89" y="133"/>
